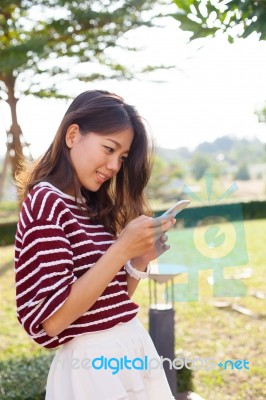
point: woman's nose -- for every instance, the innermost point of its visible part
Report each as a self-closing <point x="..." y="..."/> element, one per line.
<point x="114" y="164"/>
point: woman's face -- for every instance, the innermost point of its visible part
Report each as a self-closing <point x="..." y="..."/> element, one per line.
<point x="97" y="157"/>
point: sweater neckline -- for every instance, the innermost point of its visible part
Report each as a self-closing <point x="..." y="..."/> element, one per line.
<point x="62" y="194"/>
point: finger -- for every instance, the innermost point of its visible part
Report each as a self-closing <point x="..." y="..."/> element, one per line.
<point x="163" y="226"/>
<point x="164" y="249"/>
<point x="163" y="238"/>
<point x="158" y="231"/>
<point x="159" y="243"/>
<point x="161" y="248"/>
<point x="140" y="219"/>
<point x="159" y="220"/>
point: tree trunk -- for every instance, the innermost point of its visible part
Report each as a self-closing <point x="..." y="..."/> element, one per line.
<point x="4" y="172"/>
<point x="15" y="148"/>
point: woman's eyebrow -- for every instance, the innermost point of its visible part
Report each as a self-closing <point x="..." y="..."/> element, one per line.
<point x="118" y="144"/>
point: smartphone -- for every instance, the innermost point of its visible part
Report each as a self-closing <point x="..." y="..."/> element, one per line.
<point x="176" y="208"/>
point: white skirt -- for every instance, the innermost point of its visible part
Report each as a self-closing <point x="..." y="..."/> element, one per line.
<point x="120" y="363"/>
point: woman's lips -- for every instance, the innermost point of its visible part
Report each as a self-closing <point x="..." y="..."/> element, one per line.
<point x="101" y="177"/>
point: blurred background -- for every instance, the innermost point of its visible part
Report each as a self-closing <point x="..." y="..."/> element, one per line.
<point x="195" y="70"/>
<point x="196" y="75"/>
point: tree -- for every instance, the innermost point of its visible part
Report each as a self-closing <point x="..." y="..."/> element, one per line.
<point x="200" y="164"/>
<point x="261" y="114"/>
<point x="43" y="41"/>
<point x="242" y="173"/>
<point x="158" y="179"/>
<point x="163" y="174"/>
<point x="236" y="18"/>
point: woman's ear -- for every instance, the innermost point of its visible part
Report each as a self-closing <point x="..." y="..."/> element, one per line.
<point x="72" y="135"/>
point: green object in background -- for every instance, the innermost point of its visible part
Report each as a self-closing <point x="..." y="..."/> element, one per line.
<point x="24" y="378"/>
<point x="7" y="233"/>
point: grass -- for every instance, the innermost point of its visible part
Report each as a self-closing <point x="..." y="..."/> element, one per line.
<point x="201" y="329"/>
<point x="8" y="211"/>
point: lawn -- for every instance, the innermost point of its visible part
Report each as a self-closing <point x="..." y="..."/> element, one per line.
<point x="8" y="211"/>
<point x="201" y="329"/>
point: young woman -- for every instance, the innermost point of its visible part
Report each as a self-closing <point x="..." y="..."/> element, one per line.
<point x="84" y="239"/>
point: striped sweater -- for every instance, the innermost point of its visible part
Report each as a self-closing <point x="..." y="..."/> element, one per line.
<point x="55" y="244"/>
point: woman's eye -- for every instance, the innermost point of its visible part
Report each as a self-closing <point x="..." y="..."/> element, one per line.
<point x="109" y="149"/>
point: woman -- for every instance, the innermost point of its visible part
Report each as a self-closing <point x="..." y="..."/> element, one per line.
<point x="84" y="239"/>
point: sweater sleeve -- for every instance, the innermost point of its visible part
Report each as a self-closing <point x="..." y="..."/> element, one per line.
<point x="44" y="274"/>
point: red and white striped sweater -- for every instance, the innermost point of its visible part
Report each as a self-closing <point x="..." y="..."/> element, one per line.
<point x="55" y="244"/>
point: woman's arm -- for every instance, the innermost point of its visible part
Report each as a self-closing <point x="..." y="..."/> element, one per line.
<point x="141" y="263"/>
<point x="132" y="283"/>
<point x="135" y="240"/>
<point x="86" y="290"/>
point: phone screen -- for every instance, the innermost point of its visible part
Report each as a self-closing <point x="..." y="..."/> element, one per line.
<point x="179" y="206"/>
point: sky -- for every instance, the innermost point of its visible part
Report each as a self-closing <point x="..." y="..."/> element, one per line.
<point x="213" y="90"/>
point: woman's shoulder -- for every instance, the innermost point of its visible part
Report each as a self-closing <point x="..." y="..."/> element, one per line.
<point x="43" y="191"/>
<point x="44" y="199"/>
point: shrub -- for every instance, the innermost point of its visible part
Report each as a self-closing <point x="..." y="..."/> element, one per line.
<point x="24" y="378"/>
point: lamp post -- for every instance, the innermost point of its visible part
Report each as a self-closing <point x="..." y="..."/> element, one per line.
<point x="162" y="319"/>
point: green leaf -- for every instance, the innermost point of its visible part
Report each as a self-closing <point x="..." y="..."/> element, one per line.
<point x="186" y="23"/>
<point x="234" y="12"/>
<point x="230" y="39"/>
<point x="183" y="5"/>
<point x="203" y="32"/>
<point x="64" y="28"/>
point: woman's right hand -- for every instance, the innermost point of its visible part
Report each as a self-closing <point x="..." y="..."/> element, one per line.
<point x="140" y="234"/>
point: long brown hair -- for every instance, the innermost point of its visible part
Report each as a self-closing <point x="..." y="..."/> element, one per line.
<point x="119" y="199"/>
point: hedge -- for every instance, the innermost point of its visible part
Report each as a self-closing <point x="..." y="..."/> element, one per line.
<point x="231" y="212"/>
<point x="189" y="217"/>
<point x="7" y="233"/>
<point x="24" y="378"/>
